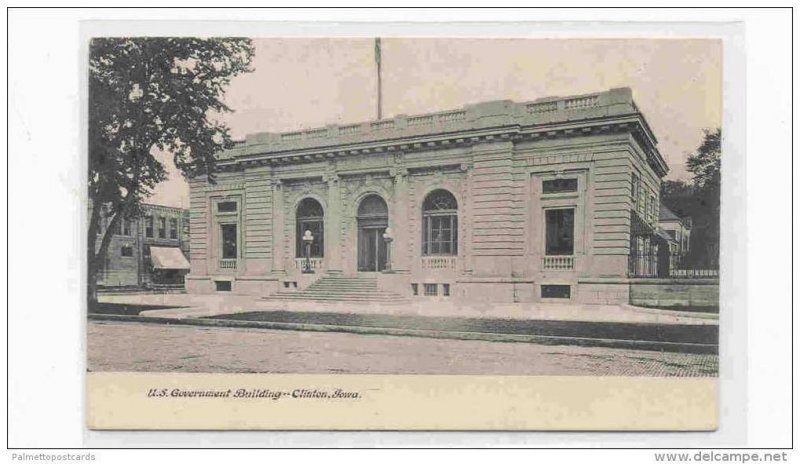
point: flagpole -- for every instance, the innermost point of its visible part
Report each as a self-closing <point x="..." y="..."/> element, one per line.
<point x="378" y="63"/>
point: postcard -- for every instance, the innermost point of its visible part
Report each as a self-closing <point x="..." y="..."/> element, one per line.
<point x="400" y="233"/>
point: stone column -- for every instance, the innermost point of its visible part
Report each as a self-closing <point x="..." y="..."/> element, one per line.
<point x="333" y="225"/>
<point x="399" y="221"/>
<point x="278" y="238"/>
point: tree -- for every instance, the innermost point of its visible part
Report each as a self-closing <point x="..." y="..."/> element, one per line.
<point x="148" y="94"/>
<point x="705" y="165"/>
<point x="678" y="196"/>
<point x="700" y="200"/>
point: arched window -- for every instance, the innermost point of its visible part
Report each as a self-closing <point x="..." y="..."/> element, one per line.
<point x="372" y="206"/>
<point x="310" y="216"/>
<point x="440" y="224"/>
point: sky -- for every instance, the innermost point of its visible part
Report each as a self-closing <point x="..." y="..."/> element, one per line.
<point x="300" y="83"/>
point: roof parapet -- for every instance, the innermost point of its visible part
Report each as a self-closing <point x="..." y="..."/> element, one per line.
<point x="477" y="116"/>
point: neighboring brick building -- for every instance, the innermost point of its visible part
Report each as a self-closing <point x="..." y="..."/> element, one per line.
<point x="147" y="252"/>
<point x="497" y="201"/>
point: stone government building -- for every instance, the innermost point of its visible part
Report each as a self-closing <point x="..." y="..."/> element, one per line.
<point x="551" y="200"/>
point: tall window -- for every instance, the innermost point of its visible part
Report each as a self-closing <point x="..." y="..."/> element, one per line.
<point x="229" y="241"/>
<point x="124" y="226"/>
<point x="173" y="228"/>
<point x="653" y="209"/>
<point x="310" y="217"/>
<point x="560" y="231"/>
<point x="635" y="190"/>
<point x="148" y="226"/>
<point x="440" y="224"/>
<point x="162" y="227"/>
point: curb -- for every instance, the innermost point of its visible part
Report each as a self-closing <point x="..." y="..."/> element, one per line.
<point x="705" y="316"/>
<point x="647" y="345"/>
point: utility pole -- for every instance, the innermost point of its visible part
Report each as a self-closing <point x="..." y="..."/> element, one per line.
<point x="378" y="63"/>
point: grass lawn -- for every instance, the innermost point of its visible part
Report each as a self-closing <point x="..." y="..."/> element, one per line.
<point x="683" y="333"/>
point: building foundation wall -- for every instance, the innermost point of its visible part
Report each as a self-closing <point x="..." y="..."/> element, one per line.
<point x="495" y="291"/>
<point x="201" y="285"/>
<point x="675" y="292"/>
<point x="602" y="293"/>
<point x="256" y="287"/>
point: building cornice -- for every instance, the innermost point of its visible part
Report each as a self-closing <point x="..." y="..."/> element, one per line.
<point x="162" y="208"/>
<point x="607" y="112"/>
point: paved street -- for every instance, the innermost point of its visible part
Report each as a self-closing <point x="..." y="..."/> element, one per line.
<point x="130" y="346"/>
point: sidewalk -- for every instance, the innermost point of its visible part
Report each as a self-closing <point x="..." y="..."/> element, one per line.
<point x="200" y="306"/>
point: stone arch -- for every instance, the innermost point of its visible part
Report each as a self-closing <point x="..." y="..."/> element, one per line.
<point x="439" y="223"/>
<point x="291" y="224"/>
<point x="319" y="225"/>
<point x="372" y="221"/>
<point x="455" y="186"/>
<point x="360" y="195"/>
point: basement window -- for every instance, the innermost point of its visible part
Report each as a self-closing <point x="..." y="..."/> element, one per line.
<point x="431" y="290"/>
<point x="127" y="251"/>
<point x="223" y="285"/>
<point x="555" y="291"/>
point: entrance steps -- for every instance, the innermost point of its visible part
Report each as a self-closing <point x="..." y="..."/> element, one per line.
<point x="335" y="288"/>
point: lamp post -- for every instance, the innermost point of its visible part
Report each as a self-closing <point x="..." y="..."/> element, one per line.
<point x="387" y="237"/>
<point x="308" y="238"/>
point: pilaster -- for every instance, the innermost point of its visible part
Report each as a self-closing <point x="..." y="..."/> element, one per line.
<point x="399" y="222"/>
<point x="278" y="264"/>
<point x="333" y="224"/>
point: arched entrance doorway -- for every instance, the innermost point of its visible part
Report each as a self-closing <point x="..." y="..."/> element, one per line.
<point x="373" y="219"/>
<point x="310" y="217"/>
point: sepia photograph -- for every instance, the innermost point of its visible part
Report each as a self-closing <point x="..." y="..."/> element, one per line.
<point x="403" y="206"/>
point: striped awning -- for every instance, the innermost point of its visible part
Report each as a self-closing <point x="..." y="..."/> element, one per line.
<point x="168" y="258"/>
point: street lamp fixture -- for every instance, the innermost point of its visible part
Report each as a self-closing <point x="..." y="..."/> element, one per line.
<point x="308" y="239"/>
<point x="387" y="237"/>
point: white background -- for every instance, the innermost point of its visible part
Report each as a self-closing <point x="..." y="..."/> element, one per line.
<point x="47" y="215"/>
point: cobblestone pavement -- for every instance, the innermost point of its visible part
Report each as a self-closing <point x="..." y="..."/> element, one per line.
<point x="130" y="346"/>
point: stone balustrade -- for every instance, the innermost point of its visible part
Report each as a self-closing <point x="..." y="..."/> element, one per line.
<point x="471" y="117"/>
<point x="558" y="263"/>
<point x="300" y="263"/>
<point x="439" y="262"/>
<point x="545" y="107"/>
<point x="581" y="102"/>
<point x="227" y="264"/>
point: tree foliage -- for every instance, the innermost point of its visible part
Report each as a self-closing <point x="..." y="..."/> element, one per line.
<point x="148" y="94"/>
<point x="700" y="199"/>
<point x="705" y="163"/>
